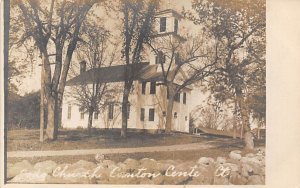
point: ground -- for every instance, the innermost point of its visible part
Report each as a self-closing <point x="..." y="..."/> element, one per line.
<point x="28" y="140"/>
<point x="190" y="155"/>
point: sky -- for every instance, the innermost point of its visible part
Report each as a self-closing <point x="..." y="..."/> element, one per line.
<point x="30" y="82"/>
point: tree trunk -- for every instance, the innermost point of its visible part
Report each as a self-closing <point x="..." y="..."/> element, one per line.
<point x="127" y="87"/>
<point x="170" y="104"/>
<point x="51" y="131"/>
<point x="90" y="122"/>
<point x="48" y="95"/>
<point x="234" y="132"/>
<point x="260" y="124"/>
<point x="58" y="115"/>
<point x="58" y="111"/>
<point x="248" y="139"/>
<point x="248" y="136"/>
<point x="60" y="76"/>
<point x="42" y="109"/>
<point x="246" y="130"/>
<point x="169" y="115"/>
<point x="242" y="130"/>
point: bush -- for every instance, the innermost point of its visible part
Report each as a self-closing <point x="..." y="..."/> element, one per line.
<point x="212" y="118"/>
<point x="23" y="112"/>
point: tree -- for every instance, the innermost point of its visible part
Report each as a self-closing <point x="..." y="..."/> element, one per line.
<point x="187" y="63"/>
<point x="94" y="51"/>
<point x="15" y="70"/>
<point x="20" y="57"/>
<point x="239" y="28"/>
<point x="256" y="99"/>
<point x="18" y="117"/>
<point x="54" y="28"/>
<point x="138" y="18"/>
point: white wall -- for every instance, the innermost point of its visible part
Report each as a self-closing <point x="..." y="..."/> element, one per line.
<point x="137" y="101"/>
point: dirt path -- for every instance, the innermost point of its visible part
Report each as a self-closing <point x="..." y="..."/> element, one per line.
<point x="181" y="147"/>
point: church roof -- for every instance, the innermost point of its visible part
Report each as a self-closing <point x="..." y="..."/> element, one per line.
<point x="144" y="72"/>
<point x="172" y="11"/>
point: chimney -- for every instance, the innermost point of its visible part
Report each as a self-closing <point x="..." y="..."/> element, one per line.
<point x="82" y="66"/>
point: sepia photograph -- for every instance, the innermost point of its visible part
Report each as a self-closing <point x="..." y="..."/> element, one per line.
<point x="135" y="92"/>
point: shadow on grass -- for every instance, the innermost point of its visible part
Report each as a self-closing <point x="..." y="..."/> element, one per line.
<point x="26" y="140"/>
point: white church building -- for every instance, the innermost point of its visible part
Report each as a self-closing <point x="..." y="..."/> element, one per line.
<point x="148" y="99"/>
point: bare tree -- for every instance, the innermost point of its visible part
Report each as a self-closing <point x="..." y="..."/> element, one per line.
<point x="138" y="18"/>
<point x="55" y="27"/>
<point x="21" y="58"/>
<point x="94" y="53"/>
<point x="185" y="63"/>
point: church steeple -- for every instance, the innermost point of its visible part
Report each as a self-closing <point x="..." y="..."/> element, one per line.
<point x="168" y="22"/>
<point x="167" y="30"/>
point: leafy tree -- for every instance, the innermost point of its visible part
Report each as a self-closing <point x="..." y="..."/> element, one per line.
<point x="20" y="56"/>
<point x="239" y="28"/>
<point x="256" y="99"/>
<point x="14" y="70"/>
<point x="18" y="118"/>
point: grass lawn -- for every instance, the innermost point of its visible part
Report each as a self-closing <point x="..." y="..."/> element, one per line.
<point x="26" y="140"/>
<point x="188" y="155"/>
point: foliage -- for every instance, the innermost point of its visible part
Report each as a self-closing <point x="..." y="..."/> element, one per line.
<point x="257" y="105"/>
<point x="15" y="73"/>
<point x="213" y="117"/>
<point x="22" y="111"/>
<point x="238" y="27"/>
